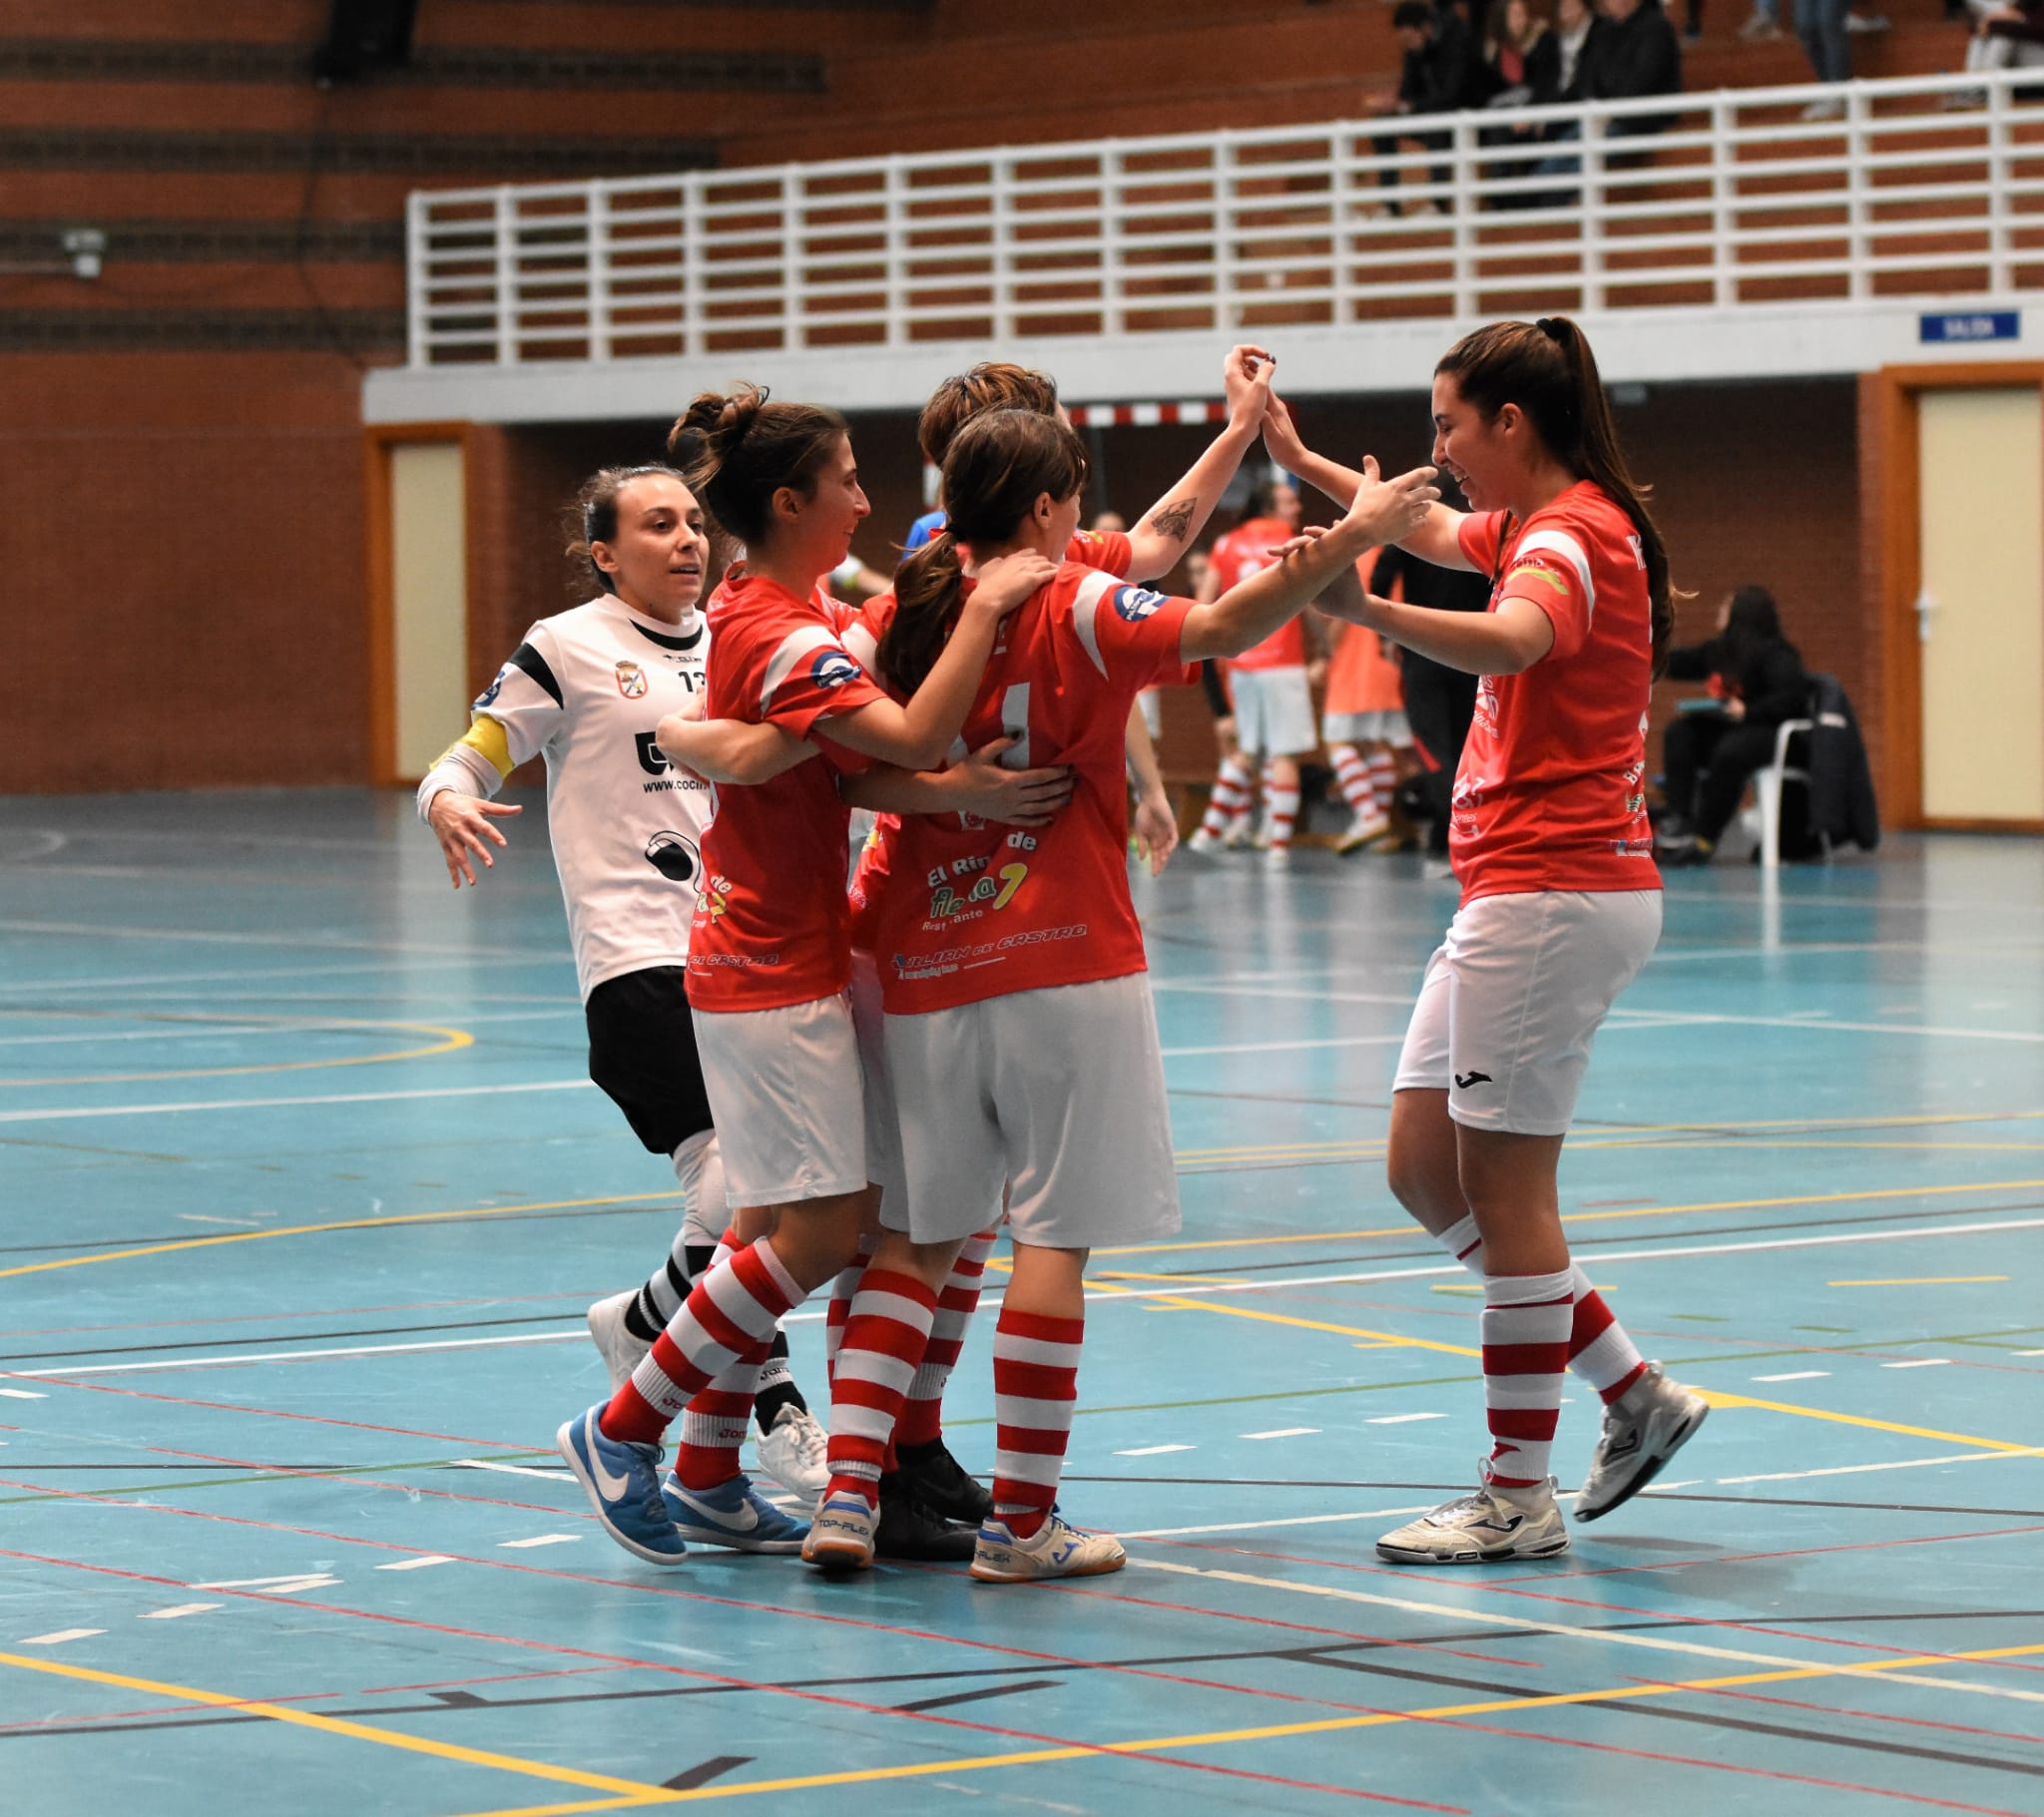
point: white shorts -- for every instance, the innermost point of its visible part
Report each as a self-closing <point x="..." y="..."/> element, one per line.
<point x="1513" y="998"/>
<point x="1057" y="1094"/>
<point x="789" y="1097"/>
<point x="1382" y="725"/>
<point x="1274" y="713"/>
<point x="884" y="1138"/>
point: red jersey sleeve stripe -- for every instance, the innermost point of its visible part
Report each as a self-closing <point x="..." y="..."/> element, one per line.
<point x="1085" y="613"/>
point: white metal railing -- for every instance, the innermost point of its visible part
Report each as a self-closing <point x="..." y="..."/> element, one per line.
<point x="1739" y="200"/>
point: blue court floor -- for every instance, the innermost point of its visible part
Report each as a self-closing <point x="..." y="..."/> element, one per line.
<point x="304" y="1193"/>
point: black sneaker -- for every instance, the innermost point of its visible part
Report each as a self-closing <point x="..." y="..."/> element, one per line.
<point x="910" y="1529"/>
<point x="943" y="1485"/>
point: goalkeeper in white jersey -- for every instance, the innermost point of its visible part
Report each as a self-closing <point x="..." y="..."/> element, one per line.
<point x="585" y="691"/>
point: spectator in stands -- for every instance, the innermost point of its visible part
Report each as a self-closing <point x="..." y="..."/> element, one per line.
<point x="1712" y="747"/>
<point x="2005" y="36"/>
<point x="1521" y="58"/>
<point x="1442" y="73"/>
<point x="1636" y="55"/>
<point x="1576" y="32"/>
<point x="1821" y="24"/>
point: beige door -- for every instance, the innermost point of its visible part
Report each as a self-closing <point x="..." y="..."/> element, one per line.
<point x="1981" y="606"/>
<point x="428" y="600"/>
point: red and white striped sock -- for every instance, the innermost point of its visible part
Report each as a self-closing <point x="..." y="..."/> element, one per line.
<point x="1601" y="1350"/>
<point x="1526" y="1321"/>
<point x="922" y="1419"/>
<point x="1036" y="1389"/>
<point x="728" y="1317"/>
<point x="1280" y="809"/>
<point x="842" y="1291"/>
<point x="1229" y="799"/>
<point x="1383" y="778"/>
<point x="876" y="1360"/>
<point x="1353" y="775"/>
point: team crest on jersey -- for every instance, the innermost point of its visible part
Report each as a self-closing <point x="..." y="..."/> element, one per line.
<point x="630" y="680"/>
<point x="1136" y="603"/>
<point x="673" y="856"/>
<point x="488" y="697"/>
<point x="833" y="668"/>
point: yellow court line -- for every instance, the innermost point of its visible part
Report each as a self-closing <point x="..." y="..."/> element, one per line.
<point x="451" y="1040"/>
<point x="1858" y="1418"/>
<point x="332" y="1725"/>
<point x="1924" y="1280"/>
<point x="1451" y="1712"/>
<point x="350" y="1224"/>
<point x="1585" y="1217"/>
<point x="1307" y="1324"/>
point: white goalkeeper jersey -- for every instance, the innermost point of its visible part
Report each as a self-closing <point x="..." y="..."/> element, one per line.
<point x="585" y="691"/>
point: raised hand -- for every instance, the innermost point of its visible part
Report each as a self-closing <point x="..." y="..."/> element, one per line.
<point x="462" y="825"/>
<point x="1281" y="440"/>
<point x="1245" y="379"/>
<point x="1388" y="511"/>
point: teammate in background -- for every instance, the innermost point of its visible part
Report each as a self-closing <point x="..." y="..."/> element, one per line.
<point x="767" y="963"/>
<point x="583" y="690"/>
<point x="1019" y="1029"/>
<point x="1364" y="727"/>
<point x="1270" y="689"/>
<point x="1561" y="905"/>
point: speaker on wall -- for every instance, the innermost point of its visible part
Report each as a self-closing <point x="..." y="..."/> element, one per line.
<point x="363" y="36"/>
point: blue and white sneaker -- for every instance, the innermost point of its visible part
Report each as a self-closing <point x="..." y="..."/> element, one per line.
<point x="734" y="1514"/>
<point x="841" y="1538"/>
<point x="623" y="1484"/>
<point x="1055" y="1549"/>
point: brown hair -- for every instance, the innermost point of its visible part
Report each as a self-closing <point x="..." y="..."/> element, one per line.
<point x="736" y="452"/>
<point x="999" y="465"/>
<point x="1547" y="369"/>
<point x="590" y="517"/>
<point x="990" y="385"/>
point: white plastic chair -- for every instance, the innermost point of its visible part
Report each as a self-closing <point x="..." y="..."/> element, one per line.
<point x="1767" y="784"/>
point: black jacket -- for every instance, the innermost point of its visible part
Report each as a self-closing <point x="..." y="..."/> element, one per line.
<point x="1841" y="802"/>
<point x="1446" y="72"/>
<point x="1770" y="680"/>
<point x="1629" y="58"/>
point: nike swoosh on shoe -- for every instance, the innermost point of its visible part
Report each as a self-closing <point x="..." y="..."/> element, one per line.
<point x="610" y="1486"/>
<point x="742" y="1518"/>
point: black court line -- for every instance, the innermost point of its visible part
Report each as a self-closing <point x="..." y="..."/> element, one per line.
<point x="705" y="1770"/>
<point x="991" y="1690"/>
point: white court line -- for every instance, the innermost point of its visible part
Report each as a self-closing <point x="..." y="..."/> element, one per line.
<point x="1327" y="1519"/>
<point x="1921" y="1362"/>
<point x="22" y="1394"/>
<point x="431" y="1559"/>
<point x="1403" y="1419"/>
<point x="1567" y="1631"/>
<point x="512" y="1469"/>
<point x="1794" y="1375"/>
<point x="545" y="1538"/>
<point x="1283" y="1432"/>
<point x="335" y="943"/>
<point x="179" y="1612"/>
<point x="262" y="1103"/>
<point x="1152" y="1451"/>
<point x="62" y="1635"/>
<point x="275" y="1586"/>
<point x="1125" y="1295"/>
<point x="1289" y="1047"/>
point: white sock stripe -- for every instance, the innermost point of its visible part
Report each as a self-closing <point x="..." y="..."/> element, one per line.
<point x="949" y="1327"/>
<point x="1464" y="1242"/>
<point x="1522" y="1392"/>
<point x="1029" y="1466"/>
<point x="1018" y="1349"/>
<point x="853" y="1422"/>
<point x="655" y="1389"/>
<point x="1527" y="1324"/>
<point x="714" y="1431"/>
<point x="1031" y="1416"/>
<point x="884" y="1371"/>
<point x="790" y="1291"/>
<point x="732" y="1298"/>
<point x="697" y="1345"/>
<point x="1528" y="1289"/>
<point x="877" y="1302"/>
<point x="1610" y="1357"/>
<point x="928" y="1383"/>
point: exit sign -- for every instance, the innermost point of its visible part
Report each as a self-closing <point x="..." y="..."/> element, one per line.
<point x="1971" y="325"/>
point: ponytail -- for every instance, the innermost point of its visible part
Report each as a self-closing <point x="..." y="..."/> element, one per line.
<point x="929" y="587"/>
<point x="737" y="451"/>
<point x="1547" y="369"/>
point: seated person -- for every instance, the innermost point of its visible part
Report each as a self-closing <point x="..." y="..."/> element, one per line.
<point x="2007" y="34"/>
<point x="1755" y="681"/>
<point x="1442" y="71"/>
<point x="1635" y="54"/>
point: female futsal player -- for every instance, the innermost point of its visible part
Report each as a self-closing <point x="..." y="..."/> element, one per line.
<point x="767" y="955"/>
<point x="584" y="685"/>
<point x="1019" y="1030"/>
<point x="1561" y="904"/>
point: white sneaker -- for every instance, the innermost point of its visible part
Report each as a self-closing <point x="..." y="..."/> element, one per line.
<point x="1491" y="1525"/>
<point x="1645" y="1427"/>
<point x="1824" y="110"/>
<point x="1362" y="829"/>
<point x="1277" y="857"/>
<point x="621" y="1350"/>
<point x="1239" y="835"/>
<point x="1860" y="24"/>
<point x="842" y="1536"/>
<point x="795" y="1452"/>
<point x="1204" y="842"/>
<point x="1055" y="1549"/>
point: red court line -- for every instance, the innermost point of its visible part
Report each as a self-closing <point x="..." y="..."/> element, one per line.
<point x="737" y="1683"/>
<point x="268" y="1413"/>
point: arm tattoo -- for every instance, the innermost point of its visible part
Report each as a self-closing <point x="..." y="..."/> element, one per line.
<point x="1173" y="520"/>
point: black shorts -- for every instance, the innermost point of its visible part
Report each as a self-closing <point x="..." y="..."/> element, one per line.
<point x="642" y="1051"/>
